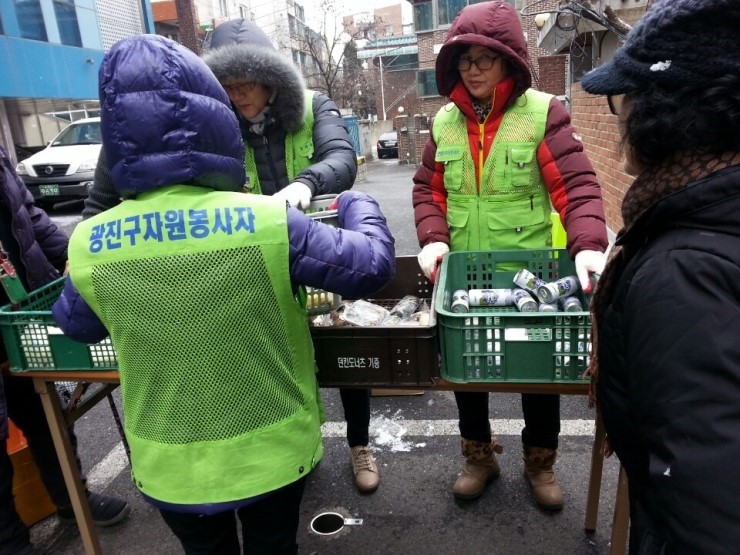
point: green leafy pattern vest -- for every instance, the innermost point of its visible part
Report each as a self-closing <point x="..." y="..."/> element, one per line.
<point x="512" y="208"/>
<point x="215" y="356"/>
<point x="298" y="150"/>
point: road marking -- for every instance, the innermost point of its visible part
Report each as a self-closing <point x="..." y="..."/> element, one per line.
<point x="106" y="470"/>
<point x="384" y="432"/>
<point x="431" y="428"/>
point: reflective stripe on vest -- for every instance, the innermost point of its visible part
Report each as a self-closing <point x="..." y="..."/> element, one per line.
<point x="215" y="356"/>
<point x="298" y="150"/>
<point x="512" y="209"/>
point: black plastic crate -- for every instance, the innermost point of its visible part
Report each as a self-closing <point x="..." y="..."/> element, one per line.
<point x="382" y="356"/>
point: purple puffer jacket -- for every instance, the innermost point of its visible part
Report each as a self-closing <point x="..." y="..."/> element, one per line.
<point x="166" y="120"/>
<point x="42" y="245"/>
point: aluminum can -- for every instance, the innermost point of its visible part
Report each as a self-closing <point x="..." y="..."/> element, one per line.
<point x="460" y="301"/>
<point x="523" y="300"/>
<point x="548" y="307"/>
<point x="527" y="280"/>
<point x="571" y="304"/>
<point x="552" y="291"/>
<point x="489" y="297"/>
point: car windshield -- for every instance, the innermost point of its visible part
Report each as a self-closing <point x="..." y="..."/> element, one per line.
<point x="79" y="134"/>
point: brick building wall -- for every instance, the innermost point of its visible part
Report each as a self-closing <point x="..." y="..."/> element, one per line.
<point x="552" y="74"/>
<point x="598" y="128"/>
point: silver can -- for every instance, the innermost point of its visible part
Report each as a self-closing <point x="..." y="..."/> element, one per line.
<point x="523" y="300"/>
<point x="571" y="304"/>
<point x="548" y="307"/>
<point x="552" y="291"/>
<point x="527" y="280"/>
<point x="460" y="301"/>
<point x="489" y="297"/>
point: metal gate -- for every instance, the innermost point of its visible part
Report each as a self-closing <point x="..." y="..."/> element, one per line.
<point x="353" y="126"/>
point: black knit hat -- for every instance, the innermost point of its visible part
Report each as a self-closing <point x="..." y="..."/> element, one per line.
<point x="675" y="42"/>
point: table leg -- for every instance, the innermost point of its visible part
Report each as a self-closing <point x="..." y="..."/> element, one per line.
<point x="58" y="427"/>
<point x="594" y="480"/>
<point x="620" y="524"/>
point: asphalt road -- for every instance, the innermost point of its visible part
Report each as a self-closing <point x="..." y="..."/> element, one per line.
<point x="416" y="443"/>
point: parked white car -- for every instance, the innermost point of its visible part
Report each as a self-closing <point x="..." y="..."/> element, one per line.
<point x="64" y="169"/>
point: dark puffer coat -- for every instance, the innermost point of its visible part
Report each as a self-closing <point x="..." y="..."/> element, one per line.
<point x="36" y="246"/>
<point x="568" y="175"/>
<point x="669" y="369"/>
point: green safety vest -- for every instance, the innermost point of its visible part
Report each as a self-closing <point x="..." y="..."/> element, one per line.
<point x="512" y="208"/>
<point x="298" y="150"/>
<point x="215" y="356"/>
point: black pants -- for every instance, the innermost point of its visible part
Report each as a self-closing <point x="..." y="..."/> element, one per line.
<point x="27" y="413"/>
<point x="356" y="405"/>
<point x="269" y="526"/>
<point x="541" y="418"/>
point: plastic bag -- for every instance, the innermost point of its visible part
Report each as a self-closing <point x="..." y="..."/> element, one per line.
<point x="364" y="313"/>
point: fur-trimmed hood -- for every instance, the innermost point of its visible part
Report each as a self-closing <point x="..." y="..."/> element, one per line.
<point x="240" y="49"/>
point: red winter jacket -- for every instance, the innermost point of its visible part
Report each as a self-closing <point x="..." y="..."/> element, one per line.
<point x="568" y="175"/>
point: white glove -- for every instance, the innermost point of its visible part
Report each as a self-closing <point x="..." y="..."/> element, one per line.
<point x="588" y="262"/>
<point x="430" y="257"/>
<point x="297" y="194"/>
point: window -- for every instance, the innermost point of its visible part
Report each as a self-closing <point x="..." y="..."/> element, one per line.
<point x="388" y="30"/>
<point x="423" y="17"/>
<point x="426" y="83"/>
<point x="448" y="10"/>
<point x="223" y="8"/>
<point x="30" y="19"/>
<point x="69" y="29"/>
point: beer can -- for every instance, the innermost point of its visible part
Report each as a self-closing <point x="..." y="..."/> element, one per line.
<point x="552" y="291"/>
<point x="548" y="307"/>
<point x="571" y="304"/>
<point x="460" y="301"/>
<point x="523" y="300"/>
<point x="527" y="280"/>
<point x="489" y="297"/>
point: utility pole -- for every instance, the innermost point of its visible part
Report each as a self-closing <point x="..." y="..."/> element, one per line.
<point x="187" y="21"/>
<point x="382" y="89"/>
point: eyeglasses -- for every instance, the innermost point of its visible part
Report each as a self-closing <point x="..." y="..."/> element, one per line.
<point x="239" y="88"/>
<point x="615" y="103"/>
<point x="482" y="62"/>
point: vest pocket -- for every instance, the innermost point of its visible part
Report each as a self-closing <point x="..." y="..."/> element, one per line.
<point x="451" y="157"/>
<point x="520" y="158"/>
<point x="518" y="224"/>
<point x="457" y="219"/>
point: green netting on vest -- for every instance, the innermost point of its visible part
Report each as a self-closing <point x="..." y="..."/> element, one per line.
<point x="456" y="134"/>
<point x="519" y="128"/>
<point x="201" y="343"/>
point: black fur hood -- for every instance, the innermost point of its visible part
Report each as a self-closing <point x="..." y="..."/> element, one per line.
<point x="240" y="49"/>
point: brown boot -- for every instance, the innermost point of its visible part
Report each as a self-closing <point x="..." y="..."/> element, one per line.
<point x="480" y="468"/>
<point x="538" y="463"/>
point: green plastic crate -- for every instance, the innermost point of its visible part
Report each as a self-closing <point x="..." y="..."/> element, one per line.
<point x="501" y="344"/>
<point x="34" y="342"/>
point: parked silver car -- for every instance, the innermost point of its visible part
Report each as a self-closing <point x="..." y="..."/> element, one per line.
<point x="64" y="169"/>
